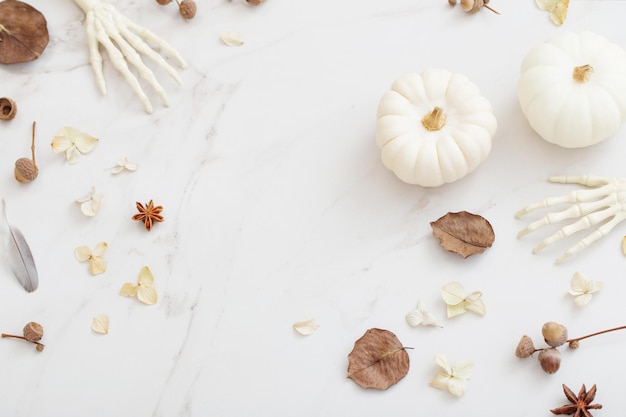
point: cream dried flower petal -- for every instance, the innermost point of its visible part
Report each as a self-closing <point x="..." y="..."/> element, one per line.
<point x="90" y="203"/>
<point x="97" y="264"/>
<point x="624" y="245"/>
<point x="457" y="302"/>
<point x="232" y="39"/>
<point x="144" y="290"/>
<point x="147" y="295"/>
<point x="583" y="288"/>
<point x="129" y="290"/>
<point x="306" y="327"/>
<point x="452" y="378"/>
<point x="421" y="317"/>
<point x="100" y="324"/>
<point x="124" y="164"/>
<point x="73" y="143"/>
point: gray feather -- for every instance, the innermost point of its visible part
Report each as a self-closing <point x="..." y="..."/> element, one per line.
<point x="20" y="257"/>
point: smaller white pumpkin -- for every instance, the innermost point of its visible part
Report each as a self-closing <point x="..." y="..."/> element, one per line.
<point x="572" y="89"/>
<point x="434" y="128"/>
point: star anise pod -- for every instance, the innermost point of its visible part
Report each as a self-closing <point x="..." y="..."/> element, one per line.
<point x="580" y="404"/>
<point x="148" y="214"/>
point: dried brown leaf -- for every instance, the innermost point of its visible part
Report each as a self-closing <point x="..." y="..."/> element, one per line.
<point x="378" y="360"/>
<point x="463" y="233"/>
<point x="23" y="32"/>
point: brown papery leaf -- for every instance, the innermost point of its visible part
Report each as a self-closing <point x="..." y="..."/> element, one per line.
<point x="378" y="360"/>
<point x="23" y="32"/>
<point x="463" y="233"/>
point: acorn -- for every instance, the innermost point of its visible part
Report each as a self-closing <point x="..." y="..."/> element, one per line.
<point x="525" y="347"/>
<point x="163" y="2"/>
<point x="550" y="360"/>
<point x="554" y="334"/>
<point x="8" y="109"/>
<point x="187" y="9"/>
<point x="26" y="169"/>
<point x="33" y="332"/>
<point x="254" y="2"/>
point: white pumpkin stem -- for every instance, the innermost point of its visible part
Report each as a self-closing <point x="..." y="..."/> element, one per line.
<point x="582" y="73"/>
<point x="434" y="120"/>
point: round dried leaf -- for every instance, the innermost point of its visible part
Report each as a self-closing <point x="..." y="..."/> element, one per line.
<point x="378" y="360"/>
<point x="463" y="233"/>
<point x="23" y="32"/>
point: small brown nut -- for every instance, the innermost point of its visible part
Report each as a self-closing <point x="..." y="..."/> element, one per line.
<point x="525" y="347"/>
<point x="187" y="9"/>
<point x="554" y="334"/>
<point x="452" y="2"/>
<point x="8" y="109"/>
<point x="254" y="2"/>
<point x="163" y="2"/>
<point x="33" y="332"/>
<point x="550" y="360"/>
<point x="25" y="170"/>
<point x="471" y="6"/>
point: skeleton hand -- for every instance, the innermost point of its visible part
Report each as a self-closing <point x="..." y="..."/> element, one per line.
<point x="604" y="205"/>
<point x="105" y="25"/>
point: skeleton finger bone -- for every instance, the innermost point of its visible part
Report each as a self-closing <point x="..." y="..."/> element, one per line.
<point x="604" y="204"/>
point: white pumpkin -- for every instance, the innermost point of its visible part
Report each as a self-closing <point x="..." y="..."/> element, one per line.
<point x="434" y="128"/>
<point x="572" y="89"/>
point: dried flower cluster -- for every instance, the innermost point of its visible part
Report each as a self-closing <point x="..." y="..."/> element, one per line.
<point x="556" y="8"/>
<point x="453" y="378"/>
<point x="555" y="335"/>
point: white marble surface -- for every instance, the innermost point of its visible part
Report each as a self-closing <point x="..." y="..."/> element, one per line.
<point x="278" y="209"/>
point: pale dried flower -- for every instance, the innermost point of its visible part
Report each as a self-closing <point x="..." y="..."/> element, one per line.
<point x="73" y="143"/>
<point x="306" y="327"/>
<point x="457" y="302"/>
<point x="143" y="290"/>
<point x="452" y="378"/>
<point x="420" y="317"/>
<point x="97" y="264"/>
<point x="90" y="203"/>
<point x="124" y="165"/>
<point x="583" y="288"/>
<point x="231" y="39"/>
<point x="100" y="324"/>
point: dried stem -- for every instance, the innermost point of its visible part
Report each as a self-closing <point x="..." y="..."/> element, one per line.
<point x="595" y="334"/>
<point x="13" y="336"/>
<point x="487" y="7"/>
<point x="32" y="143"/>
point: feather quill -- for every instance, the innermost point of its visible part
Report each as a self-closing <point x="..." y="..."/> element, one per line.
<point x="21" y="259"/>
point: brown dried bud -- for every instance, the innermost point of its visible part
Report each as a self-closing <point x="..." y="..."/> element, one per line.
<point x="39" y="347"/>
<point x="187" y="9"/>
<point x="8" y="109"/>
<point x="33" y="332"/>
<point x="25" y="170"/>
<point x="550" y="360"/>
<point x="554" y="334"/>
<point x="163" y="2"/>
<point x="525" y="347"/>
<point x="574" y="344"/>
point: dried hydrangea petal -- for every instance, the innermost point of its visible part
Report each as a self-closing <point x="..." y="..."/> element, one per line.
<point x="100" y="324"/>
<point x="306" y="327"/>
<point x="231" y="39"/>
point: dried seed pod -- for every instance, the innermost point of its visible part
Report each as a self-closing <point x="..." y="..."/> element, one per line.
<point x="550" y="360"/>
<point x="452" y="2"/>
<point x="525" y="347"/>
<point x="8" y="109"/>
<point x="254" y="2"/>
<point x="554" y="334"/>
<point x="33" y="332"/>
<point x="574" y="344"/>
<point x="26" y="169"/>
<point x="187" y="9"/>
<point x="163" y="2"/>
